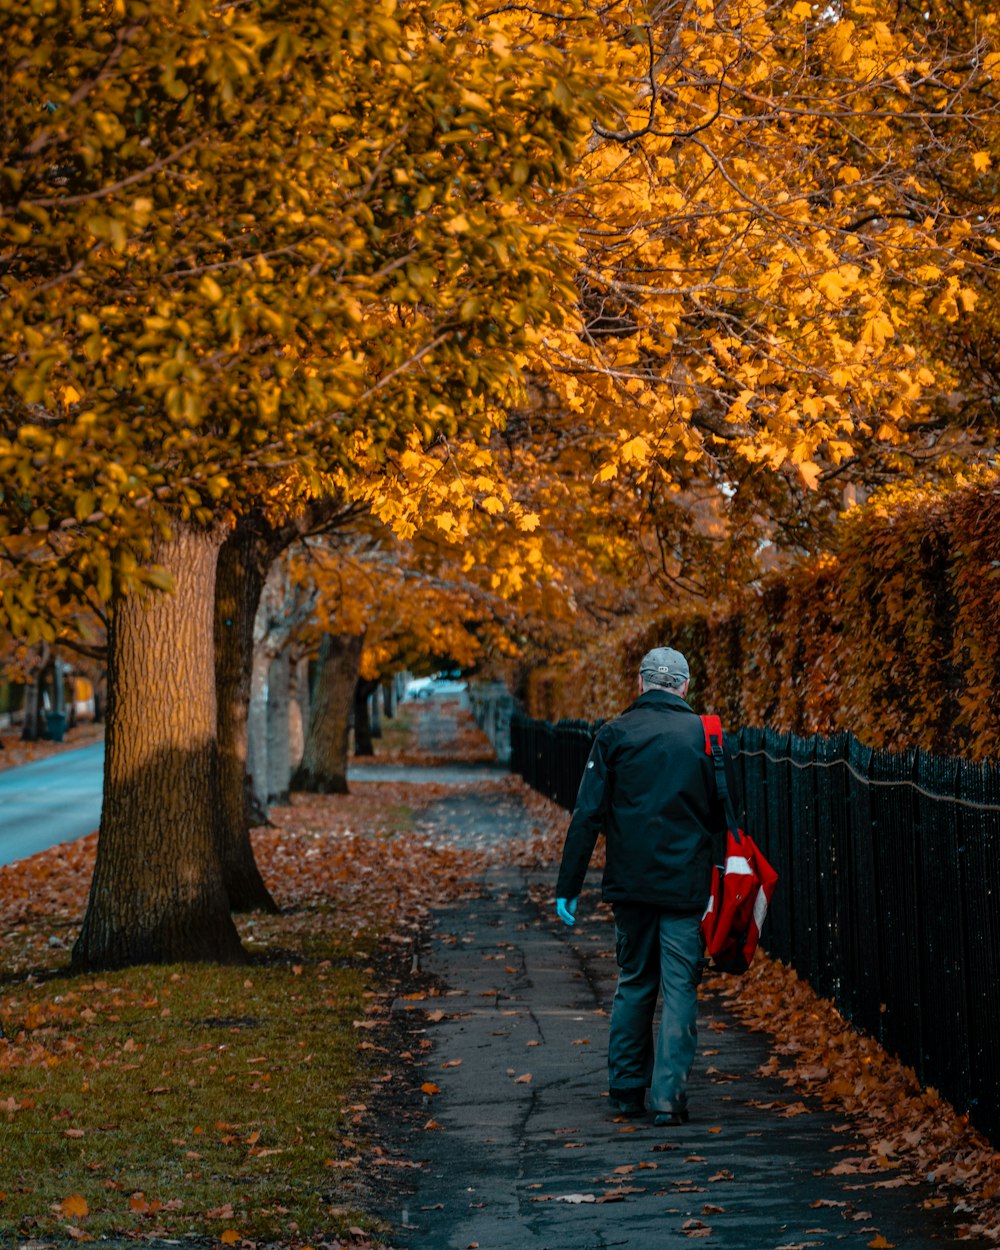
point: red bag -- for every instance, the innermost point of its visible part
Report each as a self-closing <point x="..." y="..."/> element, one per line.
<point x="742" y="887"/>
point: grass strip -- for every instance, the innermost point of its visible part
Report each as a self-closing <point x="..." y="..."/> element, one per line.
<point x="185" y="1101"/>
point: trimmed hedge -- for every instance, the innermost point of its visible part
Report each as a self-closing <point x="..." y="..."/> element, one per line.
<point x="895" y="636"/>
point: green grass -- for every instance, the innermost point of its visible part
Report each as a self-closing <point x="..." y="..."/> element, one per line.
<point x="398" y="733"/>
<point x="187" y="1100"/>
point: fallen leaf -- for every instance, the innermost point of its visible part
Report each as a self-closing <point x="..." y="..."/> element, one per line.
<point x="880" y="1243"/>
<point x="74" y="1205"/>
<point x="620" y="1192"/>
<point x="230" y="1237"/>
<point x="525" y="1079"/>
<point x="429" y="1087"/>
<point x="575" y="1199"/>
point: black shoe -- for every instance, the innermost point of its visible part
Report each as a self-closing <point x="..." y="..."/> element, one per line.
<point x="628" y="1106"/>
<point x="671" y="1119"/>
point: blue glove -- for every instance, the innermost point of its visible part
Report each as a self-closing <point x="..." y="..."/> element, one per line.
<point x="566" y="910"/>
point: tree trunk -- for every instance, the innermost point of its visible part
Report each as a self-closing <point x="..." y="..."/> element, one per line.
<point x="157" y="894"/>
<point x="389" y="697"/>
<point x="376" y="709"/>
<point x="31" y="725"/>
<point x="324" y="762"/>
<point x="243" y="562"/>
<point x="34" y="726"/>
<point x="279" y="768"/>
<point x="257" y="734"/>
<point x="362" y="717"/>
<point x="298" y="712"/>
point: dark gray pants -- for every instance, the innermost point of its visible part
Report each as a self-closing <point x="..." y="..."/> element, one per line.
<point x="657" y="951"/>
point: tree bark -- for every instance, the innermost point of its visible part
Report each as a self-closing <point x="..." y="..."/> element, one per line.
<point x="376" y="709"/>
<point x="389" y="697"/>
<point x="279" y="768"/>
<point x="33" y="727"/>
<point x="298" y="712"/>
<point x="257" y="743"/>
<point x="324" y="762"/>
<point x="363" y="744"/>
<point x="157" y="894"/>
<point x="243" y="564"/>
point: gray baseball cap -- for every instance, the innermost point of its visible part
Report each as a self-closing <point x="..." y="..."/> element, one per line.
<point x="663" y="663"/>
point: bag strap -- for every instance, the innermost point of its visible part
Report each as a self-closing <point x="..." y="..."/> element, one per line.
<point x="714" y="747"/>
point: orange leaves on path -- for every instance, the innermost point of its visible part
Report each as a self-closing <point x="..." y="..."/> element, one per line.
<point x="912" y="1133"/>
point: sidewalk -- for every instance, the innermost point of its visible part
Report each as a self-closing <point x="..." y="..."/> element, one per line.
<point x="519" y="1150"/>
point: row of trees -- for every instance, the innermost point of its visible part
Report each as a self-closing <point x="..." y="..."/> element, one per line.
<point x="486" y="323"/>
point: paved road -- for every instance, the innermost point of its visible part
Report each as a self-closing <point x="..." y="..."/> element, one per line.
<point x="53" y="800"/>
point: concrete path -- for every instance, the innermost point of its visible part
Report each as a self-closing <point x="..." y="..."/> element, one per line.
<point x="520" y="1151"/>
<point x="414" y="775"/>
<point x="53" y="800"/>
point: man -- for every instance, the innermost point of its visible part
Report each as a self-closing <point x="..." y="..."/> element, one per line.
<point x="650" y="787"/>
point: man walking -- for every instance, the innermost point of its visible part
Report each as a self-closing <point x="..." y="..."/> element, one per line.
<point x="650" y="786"/>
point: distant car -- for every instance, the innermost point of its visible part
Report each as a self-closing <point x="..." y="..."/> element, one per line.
<point x="448" y="688"/>
<point x="440" y="686"/>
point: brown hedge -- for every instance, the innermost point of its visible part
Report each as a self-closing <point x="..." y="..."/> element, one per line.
<point x="895" y="636"/>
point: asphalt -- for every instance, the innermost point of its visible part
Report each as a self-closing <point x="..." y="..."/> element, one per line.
<point x="52" y="800"/>
<point x="519" y="1150"/>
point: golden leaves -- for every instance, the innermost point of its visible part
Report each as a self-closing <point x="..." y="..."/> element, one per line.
<point x="74" y="1206"/>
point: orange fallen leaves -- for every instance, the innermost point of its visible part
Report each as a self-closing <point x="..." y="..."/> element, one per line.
<point x="75" y="1206"/>
<point x="908" y="1128"/>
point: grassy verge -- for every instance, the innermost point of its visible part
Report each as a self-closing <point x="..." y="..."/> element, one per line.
<point x="188" y="1101"/>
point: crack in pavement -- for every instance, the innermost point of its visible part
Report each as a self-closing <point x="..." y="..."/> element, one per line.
<point x="539" y="1163"/>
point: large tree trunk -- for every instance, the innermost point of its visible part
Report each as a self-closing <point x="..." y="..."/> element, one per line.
<point x="157" y="894"/>
<point x="243" y="565"/>
<point x="376" y="709"/>
<point x="363" y="744"/>
<point x="389" y="697"/>
<point x="324" y="762"/>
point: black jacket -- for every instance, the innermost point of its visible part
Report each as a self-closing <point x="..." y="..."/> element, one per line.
<point x="650" y="786"/>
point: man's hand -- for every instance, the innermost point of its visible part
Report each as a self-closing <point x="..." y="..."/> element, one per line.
<point x="566" y="909"/>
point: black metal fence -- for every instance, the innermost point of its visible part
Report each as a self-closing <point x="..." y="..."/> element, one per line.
<point x="889" y="893"/>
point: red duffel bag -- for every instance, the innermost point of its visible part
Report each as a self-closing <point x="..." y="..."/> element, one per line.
<point x="742" y="887"/>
